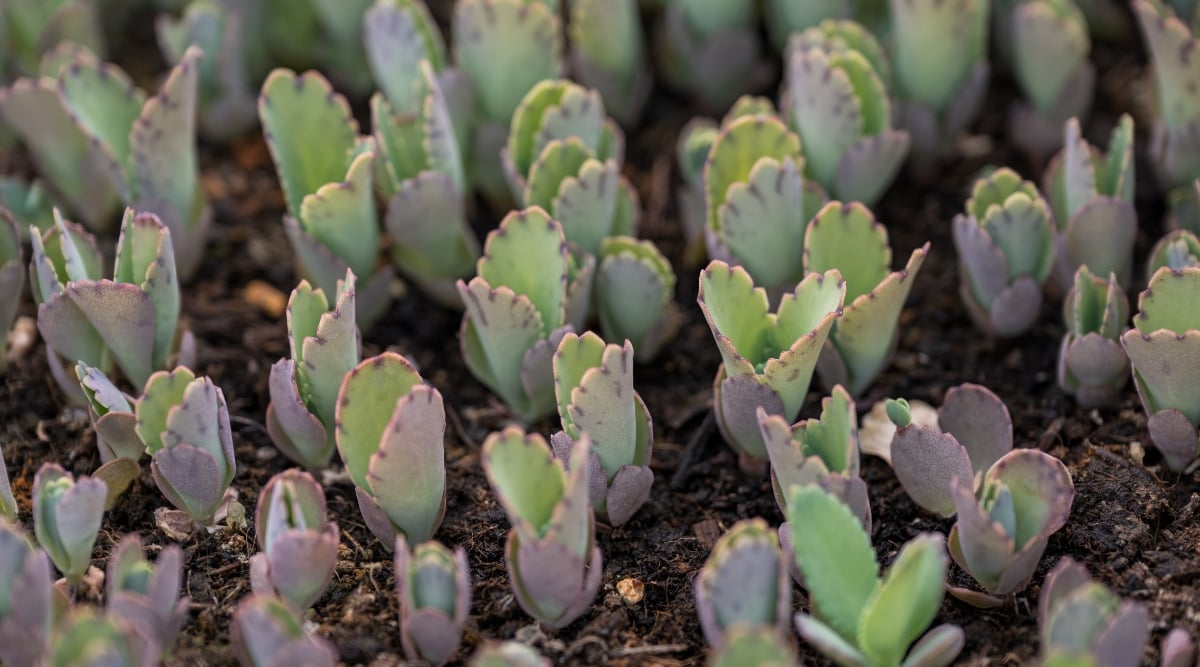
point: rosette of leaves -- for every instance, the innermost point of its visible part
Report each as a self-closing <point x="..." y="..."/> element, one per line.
<point x="88" y="637"/>
<point x="744" y="584"/>
<point x="324" y="345"/>
<point x="327" y="174"/>
<point x="433" y="587"/>
<point x="1092" y="366"/>
<point x="750" y="645"/>
<point x="504" y="47"/>
<point x="860" y="619"/>
<point x="939" y="50"/>
<point x="66" y="518"/>
<point x="528" y="294"/>
<point x="711" y="51"/>
<point x="593" y="383"/>
<point x="508" y="654"/>
<point x="30" y="604"/>
<point x="691" y="152"/>
<point x="838" y="104"/>
<point x="1164" y="348"/>
<point x="1176" y="250"/>
<point x="98" y="141"/>
<point x="146" y="593"/>
<point x="31" y="28"/>
<point x="1006" y="251"/>
<point x="1091" y="194"/>
<point x="554" y="565"/>
<point x="12" y="274"/>
<point x="265" y="632"/>
<point x="1082" y="619"/>
<point x="634" y="291"/>
<point x="848" y="238"/>
<point x="298" y="548"/>
<point x="390" y="430"/>
<point x="130" y="322"/>
<point x="767" y="358"/>
<point x="608" y="54"/>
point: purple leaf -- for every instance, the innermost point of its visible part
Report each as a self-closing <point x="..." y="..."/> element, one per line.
<point x="926" y="461"/>
<point x="979" y="420"/>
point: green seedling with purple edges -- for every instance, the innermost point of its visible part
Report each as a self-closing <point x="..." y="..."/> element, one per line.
<point x="12" y="274"/>
<point x="433" y="587"/>
<point x="1092" y="366"/>
<point x="1082" y="619"/>
<point x="30" y="604"/>
<point x="744" y="584"/>
<point x="635" y="295"/>
<point x="711" y="51"/>
<point x="298" y="548"/>
<point x="554" y="565"/>
<point x="508" y="654"/>
<point x="398" y="35"/>
<point x="607" y="54"/>
<point x="265" y="632"/>
<point x="1177" y="250"/>
<point x="66" y="518"/>
<point x="751" y="645"/>
<point x="146" y="593"/>
<point x="111" y="411"/>
<point x="88" y="637"/>
<point x="324" y="346"/>
<point x="390" y="427"/>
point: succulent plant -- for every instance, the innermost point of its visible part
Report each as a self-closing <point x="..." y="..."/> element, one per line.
<point x="752" y="645"/>
<point x="859" y="619"/>
<point x="8" y="504"/>
<point x="29" y="601"/>
<point x="554" y="565"/>
<point x="508" y="654"/>
<point x="398" y="35"/>
<point x="634" y="292"/>
<point x="691" y="153"/>
<point x="1080" y="618"/>
<point x="324" y="346"/>
<point x="1006" y="251"/>
<point x="939" y="50"/>
<point x="266" y="633"/>
<point x="433" y="586"/>
<point x="145" y="593"/>
<point x="1092" y="366"/>
<point x="848" y="238"/>
<point x="529" y="293"/>
<point x="767" y="358"/>
<point x="1050" y="47"/>
<point x="1178" y="649"/>
<point x="28" y="204"/>
<point x="390" y="427"/>
<point x="32" y="27"/>
<point x="743" y="584"/>
<point x="326" y="171"/>
<point x="1091" y="194"/>
<point x="86" y="120"/>
<point x="87" y="637"/>
<point x="112" y="415"/>
<point x="298" y="549"/>
<point x="12" y="274"/>
<point x="1178" y="249"/>
<point x="838" y="103"/>
<point x="66" y="518"/>
<point x="593" y="383"/>
<point x="607" y="54"/>
<point x="784" y="19"/>
<point x="711" y="51"/>
<point x="1166" y="367"/>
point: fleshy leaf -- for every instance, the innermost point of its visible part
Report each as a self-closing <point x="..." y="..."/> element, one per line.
<point x="103" y="101"/>
<point x="737" y="149"/>
<point x="911" y="591"/>
<point x="979" y="421"/>
<point x="397" y="36"/>
<point x="761" y="221"/>
<point x="499" y="329"/>
<point x="365" y="405"/>
<point x="527" y="254"/>
<point x="163" y="390"/>
<point x="408" y="473"/>
<point x="512" y="459"/>
<point x="341" y="215"/>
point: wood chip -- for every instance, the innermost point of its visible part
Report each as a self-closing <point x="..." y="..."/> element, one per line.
<point x="707" y="531"/>
<point x="632" y="590"/>
<point x="265" y="297"/>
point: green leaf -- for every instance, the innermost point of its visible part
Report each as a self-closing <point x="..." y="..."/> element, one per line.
<point x="752" y="645"/>
<point x="936" y="45"/>
<point x="163" y="391"/>
<point x="104" y="103"/>
<point x="737" y="149"/>
<point x="846" y="237"/>
<point x="342" y="216"/>
<point x="586" y="204"/>
<point x="1170" y="43"/>
<point x="906" y="603"/>
<point x="762" y="222"/>
<point x="195" y="421"/>
<point x="735" y="309"/>
<point x="146" y="258"/>
<point x="825" y="109"/>
<point x="575" y="356"/>
<point x="365" y="406"/>
<point x="834" y="437"/>
<point x="806" y="309"/>
<point x="634" y="284"/>
<point x="1049" y="44"/>
<point x="1171" y="302"/>
<point x="527" y="121"/>
<point x="602" y="402"/>
<point x="560" y="159"/>
<point x="330" y="352"/>
<point x="397" y="35"/>
<point x="528" y="254"/>
<point x="528" y="481"/>
<point x="408" y="473"/>
<point x="499" y="328"/>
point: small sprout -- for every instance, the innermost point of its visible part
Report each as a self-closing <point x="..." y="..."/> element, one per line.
<point x="28" y="598"/>
<point x="298" y="549"/>
<point x="508" y="654"/>
<point x="858" y="618"/>
<point x="744" y="585"/>
<point x="66" y="518"/>
<point x="899" y="411"/>
<point x="266" y="633"/>
<point x="390" y="430"/>
<point x="554" y="565"/>
<point x="1169" y="41"/>
<point x="712" y="51"/>
<point x="635" y="295"/>
<point x="433" y="586"/>
<point x="753" y="645"/>
<point x="1092" y="366"/>
<point x="607" y="54"/>
<point x="87" y="637"/>
<point x="1006" y="251"/>
<point x="594" y="386"/>
<point x="324" y="347"/>
<point x="147" y="593"/>
<point x="1081" y="619"/>
<point x="767" y="358"/>
<point x="12" y="274"/>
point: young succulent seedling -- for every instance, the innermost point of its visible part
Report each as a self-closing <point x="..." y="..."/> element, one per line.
<point x="324" y="346"/>
<point x="88" y="637"/>
<point x="12" y="274"/>
<point x="66" y="518"/>
<point x="1050" y="47"/>
<point x="298" y="548"/>
<point x="1091" y="195"/>
<point x="530" y="292"/>
<point x="743" y="584"/>
<point x="712" y="51"/>
<point x="146" y="593"/>
<point x="8" y="503"/>
<point x="635" y="295"/>
<point x="838" y="103"/>
<point x="859" y="619"/>
<point x="1006" y="251"/>
<point x="504" y="47"/>
<point x="753" y="645"/>
<point x="147" y="145"/>
<point x="433" y="587"/>
<point x="35" y="26"/>
<point x="767" y="358"/>
<point x="29" y="601"/>
<point x="1178" y="249"/>
<point x="326" y="171"/>
<point x="390" y="430"/>
<point x="939" y="50"/>
<point x="691" y="152"/>
<point x="848" y="238"/>
<point x="554" y="565"/>
<point x="607" y="54"/>
<point x="265" y="632"/>
<point x="508" y="654"/>
<point x="1164" y="348"/>
<point x="1082" y="619"/>
<point x="593" y="383"/>
<point x="1092" y="366"/>
<point x="131" y="321"/>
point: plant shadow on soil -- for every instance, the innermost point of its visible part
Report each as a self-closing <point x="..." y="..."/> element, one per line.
<point x="1134" y="527"/>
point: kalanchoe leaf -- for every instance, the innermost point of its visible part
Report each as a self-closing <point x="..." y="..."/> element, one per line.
<point x="145" y="593"/>
<point x="1091" y="364"/>
<point x="33" y="27"/>
<point x="12" y="273"/>
<point x="266" y="633"/>
<point x="66" y="518"/>
<point x="712" y="51"/>
<point x="1170" y="41"/>
<point x="433" y="587"/>
<point x="299" y="549"/>
<point x="1179" y="249"/>
<point x="743" y="584"/>
<point x="607" y="54"/>
<point x="86" y="637"/>
<point x="27" y="203"/>
<point x="399" y="34"/>
<point x="1082" y="617"/>
<point x="749" y="645"/>
<point x="508" y="654"/>
<point x="27" y="595"/>
<point x="635" y="286"/>
<point x="431" y="240"/>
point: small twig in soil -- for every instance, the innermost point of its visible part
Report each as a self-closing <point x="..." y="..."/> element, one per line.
<point x="695" y="448"/>
<point x="246" y="421"/>
<point x="647" y="650"/>
<point x="459" y="428"/>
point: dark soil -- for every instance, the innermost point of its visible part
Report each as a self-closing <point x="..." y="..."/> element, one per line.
<point x="1134" y="527"/>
